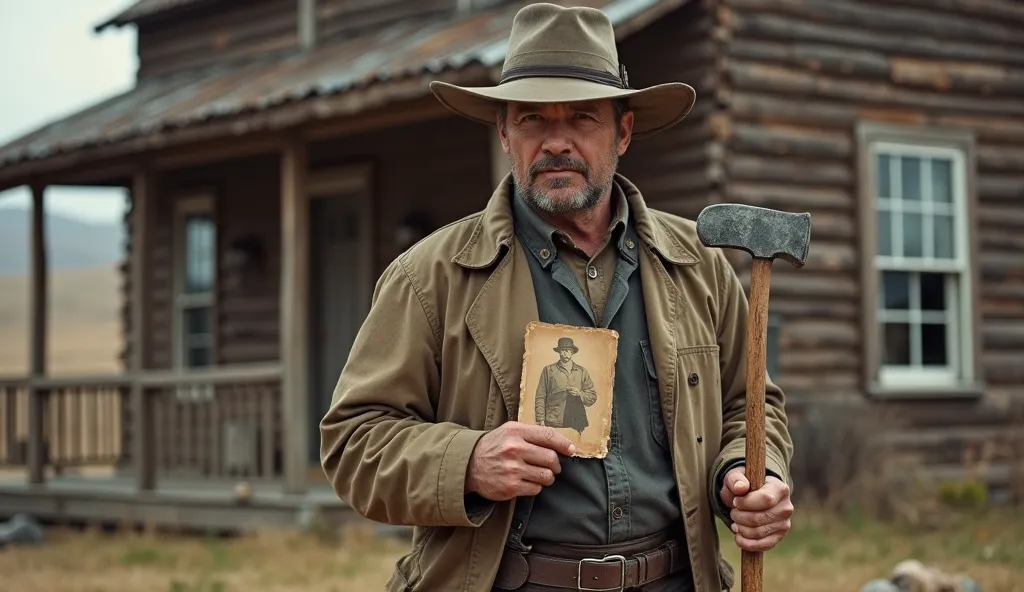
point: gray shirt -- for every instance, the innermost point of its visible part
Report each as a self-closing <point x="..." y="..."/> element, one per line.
<point x="630" y="493"/>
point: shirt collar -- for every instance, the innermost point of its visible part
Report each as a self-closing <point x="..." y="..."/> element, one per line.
<point x="539" y="236"/>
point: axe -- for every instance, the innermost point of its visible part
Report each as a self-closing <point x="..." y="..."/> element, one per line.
<point x="766" y="235"/>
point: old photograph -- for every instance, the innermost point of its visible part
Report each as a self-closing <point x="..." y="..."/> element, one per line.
<point x="568" y="378"/>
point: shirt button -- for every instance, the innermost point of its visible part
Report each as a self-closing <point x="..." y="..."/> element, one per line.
<point x="592" y="272"/>
<point x="544" y="253"/>
<point x="693" y="379"/>
<point x="629" y="243"/>
<point x="617" y="513"/>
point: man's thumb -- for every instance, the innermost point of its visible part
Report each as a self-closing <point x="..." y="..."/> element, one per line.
<point x="737" y="482"/>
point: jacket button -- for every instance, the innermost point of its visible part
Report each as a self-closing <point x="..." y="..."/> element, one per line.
<point x="617" y="513"/>
<point x="693" y="379"/>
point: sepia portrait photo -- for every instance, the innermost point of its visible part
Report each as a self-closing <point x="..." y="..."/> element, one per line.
<point x="568" y="378"/>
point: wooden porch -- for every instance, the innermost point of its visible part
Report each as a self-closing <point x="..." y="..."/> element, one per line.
<point x="204" y="454"/>
<point x="231" y="441"/>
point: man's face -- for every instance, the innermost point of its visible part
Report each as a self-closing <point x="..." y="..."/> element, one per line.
<point x="563" y="156"/>
<point x="565" y="355"/>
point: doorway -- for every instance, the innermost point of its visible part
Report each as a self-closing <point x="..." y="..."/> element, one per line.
<point x="341" y="282"/>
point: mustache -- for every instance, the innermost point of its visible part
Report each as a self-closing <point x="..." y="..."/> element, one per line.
<point x="560" y="161"/>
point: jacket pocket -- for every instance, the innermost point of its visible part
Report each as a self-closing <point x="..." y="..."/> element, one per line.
<point x="726" y="573"/>
<point x="654" y="396"/>
<point x="407" y="569"/>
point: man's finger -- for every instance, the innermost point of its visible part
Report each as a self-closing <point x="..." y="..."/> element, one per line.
<point x="761" y="532"/>
<point x="538" y="475"/>
<point x="761" y="545"/>
<point x="754" y="519"/>
<point x="528" y="489"/>
<point x="773" y="493"/>
<point x="541" y="457"/>
<point x="547" y="437"/>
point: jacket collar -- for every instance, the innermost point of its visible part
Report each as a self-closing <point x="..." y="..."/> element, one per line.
<point x="494" y="229"/>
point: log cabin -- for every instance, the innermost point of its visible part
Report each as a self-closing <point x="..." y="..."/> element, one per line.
<point x="279" y="153"/>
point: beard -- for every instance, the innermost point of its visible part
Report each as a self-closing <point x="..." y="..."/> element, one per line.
<point x="537" y="194"/>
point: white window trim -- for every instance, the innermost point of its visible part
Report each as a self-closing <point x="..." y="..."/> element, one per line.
<point x="959" y="353"/>
<point x="961" y="376"/>
<point x="196" y="202"/>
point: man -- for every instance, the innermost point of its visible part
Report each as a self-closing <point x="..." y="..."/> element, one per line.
<point x="564" y="391"/>
<point x="420" y="430"/>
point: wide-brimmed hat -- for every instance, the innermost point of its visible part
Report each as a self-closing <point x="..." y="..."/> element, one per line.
<point x="560" y="55"/>
<point x="566" y="343"/>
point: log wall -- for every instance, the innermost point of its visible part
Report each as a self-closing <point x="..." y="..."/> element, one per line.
<point x="795" y="78"/>
<point x="219" y="33"/>
<point x="343" y="18"/>
<point x="675" y="169"/>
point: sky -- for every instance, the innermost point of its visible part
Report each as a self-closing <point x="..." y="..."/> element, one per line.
<point x="52" y="64"/>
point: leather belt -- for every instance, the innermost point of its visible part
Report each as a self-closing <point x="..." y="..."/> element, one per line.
<point x="612" y="572"/>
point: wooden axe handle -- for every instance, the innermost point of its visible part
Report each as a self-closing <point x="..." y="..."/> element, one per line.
<point x="752" y="563"/>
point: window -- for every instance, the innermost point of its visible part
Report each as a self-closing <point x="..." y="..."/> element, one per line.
<point x="195" y="278"/>
<point x="919" y="323"/>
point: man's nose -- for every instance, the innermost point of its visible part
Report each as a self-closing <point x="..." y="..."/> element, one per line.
<point x="557" y="139"/>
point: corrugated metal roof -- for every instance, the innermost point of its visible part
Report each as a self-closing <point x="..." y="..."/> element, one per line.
<point x="400" y="52"/>
<point x="145" y="8"/>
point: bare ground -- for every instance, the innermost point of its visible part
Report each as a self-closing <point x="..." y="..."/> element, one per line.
<point x="821" y="554"/>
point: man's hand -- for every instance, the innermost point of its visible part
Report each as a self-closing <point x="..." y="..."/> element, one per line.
<point x="574" y="391"/>
<point x="516" y="459"/>
<point x="760" y="518"/>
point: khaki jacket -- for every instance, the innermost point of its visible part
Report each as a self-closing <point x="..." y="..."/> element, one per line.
<point x="438" y="362"/>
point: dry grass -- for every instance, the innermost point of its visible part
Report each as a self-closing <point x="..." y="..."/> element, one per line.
<point x="822" y="553"/>
<point x="84" y="332"/>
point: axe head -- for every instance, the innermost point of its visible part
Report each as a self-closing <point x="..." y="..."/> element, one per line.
<point x="762" y="232"/>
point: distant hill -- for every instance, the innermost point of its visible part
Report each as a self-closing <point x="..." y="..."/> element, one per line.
<point x="72" y="244"/>
<point x="84" y="322"/>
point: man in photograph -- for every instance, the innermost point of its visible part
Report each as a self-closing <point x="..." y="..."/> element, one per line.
<point x="564" y="391"/>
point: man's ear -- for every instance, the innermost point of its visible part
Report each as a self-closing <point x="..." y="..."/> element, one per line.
<point x="502" y="136"/>
<point x="625" y="132"/>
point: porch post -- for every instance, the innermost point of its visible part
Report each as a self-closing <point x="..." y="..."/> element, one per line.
<point x="38" y="306"/>
<point x="294" y="322"/>
<point x="143" y="426"/>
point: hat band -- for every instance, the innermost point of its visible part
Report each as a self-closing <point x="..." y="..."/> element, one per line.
<point x="591" y="74"/>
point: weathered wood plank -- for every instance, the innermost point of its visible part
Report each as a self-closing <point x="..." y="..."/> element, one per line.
<point x="797" y="172"/>
<point x="997" y="239"/>
<point x="993" y="158"/>
<point x="1003" y="367"/>
<point x="1002" y="12"/>
<point x="1004" y="336"/>
<point x="1001" y="188"/>
<point x="856" y="16"/>
<point x="813" y="308"/>
<point x="786" y="196"/>
<point x="789" y="140"/>
<point x="217" y="35"/>
<point x="817" y="360"/>
<point x="797" y="83"/>
<point x="786" y="284"/>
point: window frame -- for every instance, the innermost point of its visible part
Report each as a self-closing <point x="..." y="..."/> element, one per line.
<point x="202" y="202"/>
<point x="966" y="379"/>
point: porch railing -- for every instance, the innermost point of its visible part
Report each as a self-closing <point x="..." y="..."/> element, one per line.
<point x="217" y="422"/>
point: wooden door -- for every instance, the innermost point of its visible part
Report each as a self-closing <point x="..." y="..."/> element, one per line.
<point x="341" y="260"/>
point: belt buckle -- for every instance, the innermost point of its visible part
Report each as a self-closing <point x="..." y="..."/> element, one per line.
<point x="607" y="558"/>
